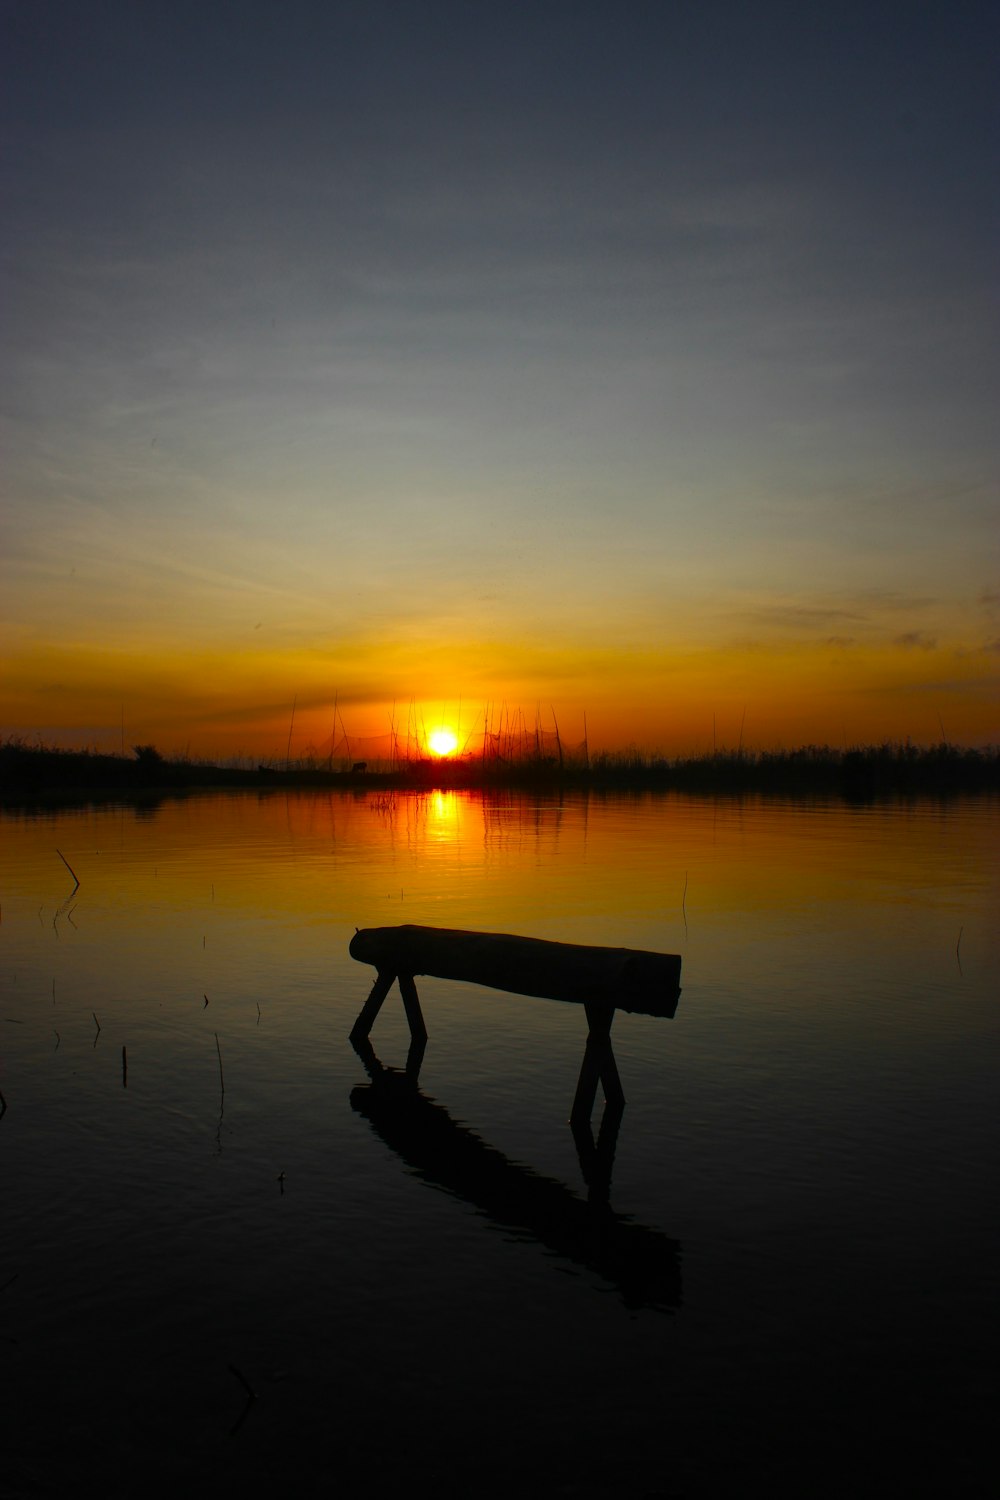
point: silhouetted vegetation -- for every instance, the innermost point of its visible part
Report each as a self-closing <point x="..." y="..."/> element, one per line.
<point x="36" y="771"/>
<point x="858" y="773"/>
<point x="147" y="755"/>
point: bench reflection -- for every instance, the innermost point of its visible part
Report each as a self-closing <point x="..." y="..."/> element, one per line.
<point x="641" y="1262"/>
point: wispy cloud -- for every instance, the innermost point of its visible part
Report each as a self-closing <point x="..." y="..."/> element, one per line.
<point x="915" y="640"/>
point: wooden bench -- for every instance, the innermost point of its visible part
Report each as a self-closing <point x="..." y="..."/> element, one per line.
<point x="603" y="980"/>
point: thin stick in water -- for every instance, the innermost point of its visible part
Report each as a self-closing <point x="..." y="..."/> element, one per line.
<point x="68" y="866"/>
<point x="222" y="1080"/>
<point x="244" y="1382"/>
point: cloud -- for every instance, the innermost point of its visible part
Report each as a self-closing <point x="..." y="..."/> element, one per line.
<point x="857" y="608"/>
<point x="915" y="640"/>
<point x="806" y="616"/>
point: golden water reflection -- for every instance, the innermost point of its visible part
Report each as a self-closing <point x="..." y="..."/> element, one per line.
<point x="814" y="1132"/>
<point x="666" y="873"/>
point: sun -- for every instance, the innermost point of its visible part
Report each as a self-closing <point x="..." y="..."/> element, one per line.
<point x="443" y="741"/>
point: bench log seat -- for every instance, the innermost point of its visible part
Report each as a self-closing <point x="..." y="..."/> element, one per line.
<point x="628" y="978"/>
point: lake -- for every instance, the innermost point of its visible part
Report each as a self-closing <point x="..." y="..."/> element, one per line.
<point x="780" y="1272"/>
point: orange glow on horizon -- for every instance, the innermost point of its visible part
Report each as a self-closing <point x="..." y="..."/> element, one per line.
<point x="320" y="705"/>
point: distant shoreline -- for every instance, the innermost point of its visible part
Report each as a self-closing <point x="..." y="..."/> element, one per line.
<point x="30" y="774"/>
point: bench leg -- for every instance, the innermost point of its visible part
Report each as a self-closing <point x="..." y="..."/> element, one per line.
<point x="411" y="1004"/>
<point x="366" y="1019"/>
<point x="598" y="1067"/>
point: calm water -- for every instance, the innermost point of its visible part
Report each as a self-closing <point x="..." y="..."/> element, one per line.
<point x="791" y="1282"/>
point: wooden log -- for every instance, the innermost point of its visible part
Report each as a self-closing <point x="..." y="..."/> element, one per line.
<point x="630" y="979"/>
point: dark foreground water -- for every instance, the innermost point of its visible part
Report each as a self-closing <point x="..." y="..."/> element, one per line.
<point x="790" y="1281"/>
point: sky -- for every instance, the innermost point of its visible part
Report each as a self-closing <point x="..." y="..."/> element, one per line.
<point x="632" y="364"/>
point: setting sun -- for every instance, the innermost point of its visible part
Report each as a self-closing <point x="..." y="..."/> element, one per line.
<point x="443" y="741"/>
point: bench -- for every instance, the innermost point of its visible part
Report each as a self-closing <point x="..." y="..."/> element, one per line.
<point x="602" y="980"/>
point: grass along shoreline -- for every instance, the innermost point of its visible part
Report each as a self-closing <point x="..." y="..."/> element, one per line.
<point x="30" y="772"/>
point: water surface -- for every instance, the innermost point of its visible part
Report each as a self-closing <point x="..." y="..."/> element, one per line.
<point x="790" y="1280"/>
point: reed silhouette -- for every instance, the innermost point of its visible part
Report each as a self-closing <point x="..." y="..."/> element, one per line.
<point x="31" y="773"/>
